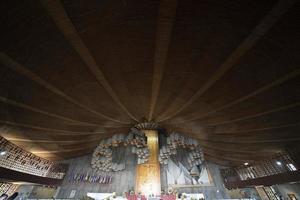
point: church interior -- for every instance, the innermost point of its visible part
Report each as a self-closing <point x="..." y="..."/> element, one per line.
<point x="150" y="99"/>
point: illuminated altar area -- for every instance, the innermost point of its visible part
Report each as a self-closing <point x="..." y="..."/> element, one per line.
<point x="145" y="163"/>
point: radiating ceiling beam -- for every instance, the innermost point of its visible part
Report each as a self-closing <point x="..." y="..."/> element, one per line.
<point x="228" y="150"/>
<point x="54" y="131"/>
<point x="56" y="10"/>
<point x="167" y="12"/>
<point x="12" y="64"/>
<point x="251" y="156"/>
<point x="258" y="129"/>
<point x="27" y="107"/>
<point x="211" y="138"/>
<point x="233" y="150"/>
<point x="282" y="108"/>
<point x="260" y="30"/>
<point x="13" y="139"/>
<point x="227" y="158"/>
<point x="258" y="91"/>
<point x="221" y="162"/>
<point x="64" y="150"/>
<point x="194" y="134"/>
<point x="242" y="140"/>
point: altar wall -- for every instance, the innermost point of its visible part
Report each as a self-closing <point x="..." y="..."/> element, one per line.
<point x="121" y="181"/>
<point x="125" y="180"/>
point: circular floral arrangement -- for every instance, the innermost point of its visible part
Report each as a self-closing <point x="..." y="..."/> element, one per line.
<point x="175" y="141"/>
<point x="102" y="158"/>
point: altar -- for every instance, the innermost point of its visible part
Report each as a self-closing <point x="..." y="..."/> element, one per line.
<point x="102" y="196"/>
<point x="111" y="196"/>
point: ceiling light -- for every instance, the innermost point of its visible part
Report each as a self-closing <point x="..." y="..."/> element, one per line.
<point x="2" y="153"/>
<point x="291" y="167"/>
<point x="278" y="163"/>
<point x="246" y="163"/>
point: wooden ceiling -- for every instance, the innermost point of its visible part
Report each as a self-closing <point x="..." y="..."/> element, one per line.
<point x="225" y="72"/>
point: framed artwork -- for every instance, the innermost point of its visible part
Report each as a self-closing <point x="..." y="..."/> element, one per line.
<point x="292" y="196"/>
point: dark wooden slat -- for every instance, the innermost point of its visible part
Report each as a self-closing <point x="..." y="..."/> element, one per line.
<point x="167" y="11"/>
<point x="9" y="62"/>
<point x="64" y="23"/>
<point x="259" y="31"/>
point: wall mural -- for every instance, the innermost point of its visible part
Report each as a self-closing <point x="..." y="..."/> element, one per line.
<point x="107" y="158"/>
<point x="181" y="157"/>
<point x="115" y="161"/>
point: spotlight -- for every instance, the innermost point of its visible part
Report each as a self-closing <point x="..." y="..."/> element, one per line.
<point x="246" y="163"/>
<point x="278" y="163"/>
<point x="2" y="153"/>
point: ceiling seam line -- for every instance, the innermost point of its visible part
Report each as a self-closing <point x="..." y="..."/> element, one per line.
<point x="48" y="141"/>
<point x="260" y="30"/>
<point x="10" y="63"/>
<point x="58" y="13"/>
<point x="266" y="87"/>
<point x="66" y="132"/>
<point x="27" y="107"/>
<point x="256" y="115"/>
<point x="261" y="129"/>
<point x="167" y="12"/>
<point x="243" y="131"/>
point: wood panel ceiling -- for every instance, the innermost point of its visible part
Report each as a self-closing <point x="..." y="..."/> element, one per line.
<point x="226" y="72"/>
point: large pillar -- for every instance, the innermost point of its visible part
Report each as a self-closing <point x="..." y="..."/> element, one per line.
<point x="148" y="174"/>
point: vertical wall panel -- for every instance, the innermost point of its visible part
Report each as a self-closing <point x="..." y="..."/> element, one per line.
<point x="121" y="181"/>
<point x="148" y="174"/>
